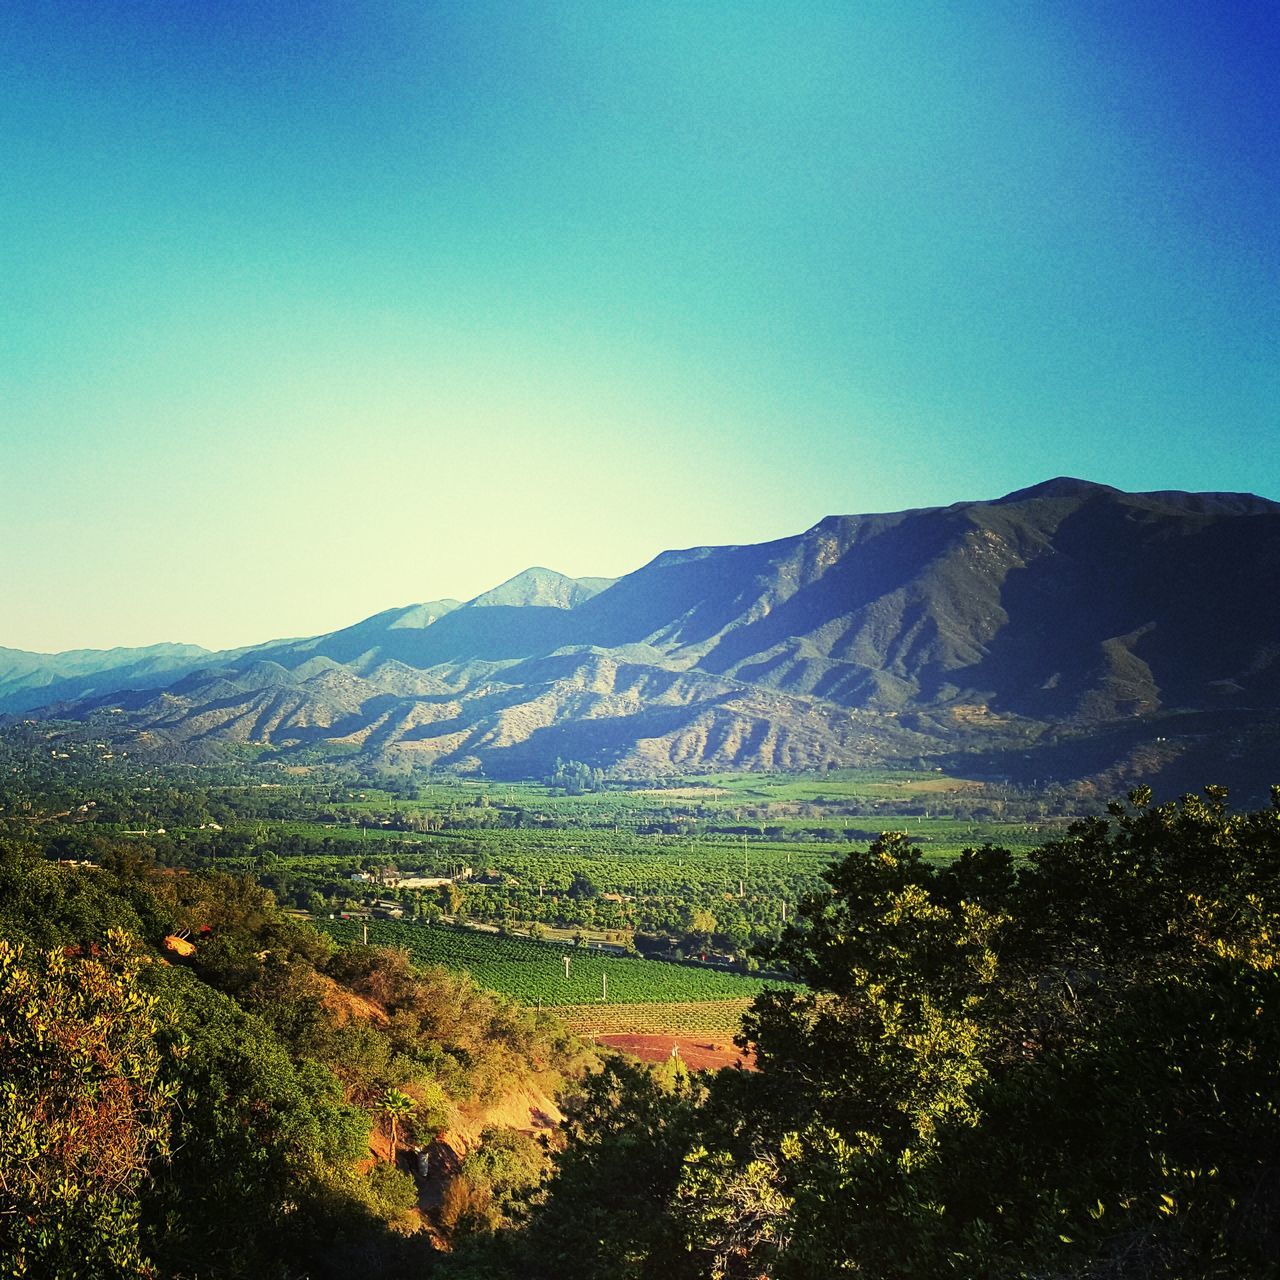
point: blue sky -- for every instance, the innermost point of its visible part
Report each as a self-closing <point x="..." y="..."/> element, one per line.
<point x="311" y="309"/>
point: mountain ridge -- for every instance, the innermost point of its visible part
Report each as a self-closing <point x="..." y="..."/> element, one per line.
<point x="998" y="628"/>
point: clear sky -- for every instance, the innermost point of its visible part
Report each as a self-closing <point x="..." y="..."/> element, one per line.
<point x="311" y="308"/>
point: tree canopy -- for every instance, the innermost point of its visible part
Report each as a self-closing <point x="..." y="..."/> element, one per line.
<point x="1067" y="1067"/>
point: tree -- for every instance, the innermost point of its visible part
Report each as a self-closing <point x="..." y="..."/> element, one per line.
<point x="397" y="1107"/>
<point x="606" y="1212"/>
<point x="261" y="1144"/>
<point x="83" y="1110"/>
<point x="575" y="777"/>
<point x="859" y="1074"/>
<point x="1065" y="1069"/>
<point x="700" y="924"/>
<point x="733" y="1211"/>
<point x="1062" y="1069"/>
<point x="582" y="886"/>
<point x="498" y="1179"/>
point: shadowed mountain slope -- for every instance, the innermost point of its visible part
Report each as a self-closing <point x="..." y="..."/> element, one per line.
<point x="1053" y="615"/>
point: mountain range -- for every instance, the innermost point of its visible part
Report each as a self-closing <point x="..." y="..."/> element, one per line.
<point x="1069" y="630"/>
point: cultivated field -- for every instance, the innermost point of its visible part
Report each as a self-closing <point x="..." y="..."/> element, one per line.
<point x="718" y="1020"/>
<point x="536" y="973"/>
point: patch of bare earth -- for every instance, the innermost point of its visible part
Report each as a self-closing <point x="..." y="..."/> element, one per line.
<point x="527" y="1109"/>
<point x="379" y="1150"/>
<point x="346" y="1006"/>
<point x="696" y="1055"/>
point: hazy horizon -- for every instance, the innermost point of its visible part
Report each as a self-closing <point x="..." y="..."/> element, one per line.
<point x="315" y="311"/>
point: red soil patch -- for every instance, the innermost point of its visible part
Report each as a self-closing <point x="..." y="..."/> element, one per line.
<point x="379" y="1151"/>
<point x="698" y="1055"/>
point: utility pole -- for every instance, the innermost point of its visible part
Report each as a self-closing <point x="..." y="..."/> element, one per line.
<point x="566" y="968"/>
<point x="366" y="933"/>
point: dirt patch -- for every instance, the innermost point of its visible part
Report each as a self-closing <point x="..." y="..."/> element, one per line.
<point x="346" y="1006"/>
<point x="697" y="1055"/>
<point x="528" y="1110"/>
<point x="379" y="1150"/>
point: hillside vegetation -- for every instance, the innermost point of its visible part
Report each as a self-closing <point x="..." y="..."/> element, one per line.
<point x="1062" y="1063"/>
<point x="192" y="1085"/>
<point x="1067" y="1070"/>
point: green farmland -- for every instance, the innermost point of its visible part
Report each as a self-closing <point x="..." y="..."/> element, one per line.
<point x="708" y="863"/>
<point x="533" y="972"/>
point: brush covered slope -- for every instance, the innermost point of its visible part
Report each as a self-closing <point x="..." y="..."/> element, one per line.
<point x="1065" y="630"/>
<point x="197" y="1085"/>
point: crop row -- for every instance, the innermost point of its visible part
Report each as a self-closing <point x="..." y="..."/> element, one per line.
<point x="546" y="973"/>
<point x="715" y="1019"/>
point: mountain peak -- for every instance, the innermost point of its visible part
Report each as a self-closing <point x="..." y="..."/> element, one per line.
<point x="1058" y="487"/>
<point x="540" y="587"/>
